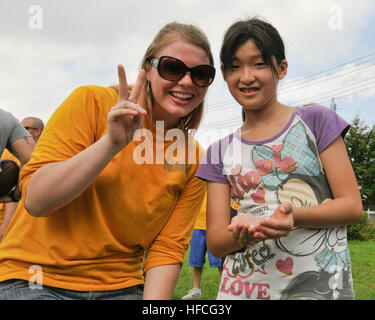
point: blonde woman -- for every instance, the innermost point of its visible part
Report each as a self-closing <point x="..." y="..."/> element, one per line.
<point x="94" y="209"/>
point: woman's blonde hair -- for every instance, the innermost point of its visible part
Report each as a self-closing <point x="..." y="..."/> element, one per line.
<point x="170" y="32"/>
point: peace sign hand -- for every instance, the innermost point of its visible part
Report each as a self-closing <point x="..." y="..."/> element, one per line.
<point x="127" y="115"/>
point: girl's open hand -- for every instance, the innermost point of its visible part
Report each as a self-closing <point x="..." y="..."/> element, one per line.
<point x="248" y="229"/>
<point x="243" y="228"/>
<point x="127" y="115"/>
<point x="278" y="225"/>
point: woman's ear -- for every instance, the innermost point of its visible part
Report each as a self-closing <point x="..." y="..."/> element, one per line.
<point x="283" y="69"/>
<point x="148" y="69"/>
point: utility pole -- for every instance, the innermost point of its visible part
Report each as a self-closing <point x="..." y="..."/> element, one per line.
<point x="333" y="104"/>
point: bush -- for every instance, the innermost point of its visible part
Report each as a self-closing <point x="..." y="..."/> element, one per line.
<point x="362" y="231"/>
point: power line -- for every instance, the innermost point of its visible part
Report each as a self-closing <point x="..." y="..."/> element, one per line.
<point x="231" y="122"/>
<point x="332" y="68"/>
<point x="225" y="106"/>
<point x="319" y="80"/>
<point x="327" y="99"/>
<point x="221" y="105"/>
<point x="336" y="91"/>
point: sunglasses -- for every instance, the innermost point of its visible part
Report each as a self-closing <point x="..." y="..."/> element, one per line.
<point x="172" y="69"/>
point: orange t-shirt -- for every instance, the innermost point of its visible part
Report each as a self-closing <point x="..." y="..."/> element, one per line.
<point x="97" y="242"/>
<point x="200" y="223"/>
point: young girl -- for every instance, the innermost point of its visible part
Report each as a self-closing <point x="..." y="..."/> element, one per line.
<point x="288" y="170"/>
<point x="95" y="208"/>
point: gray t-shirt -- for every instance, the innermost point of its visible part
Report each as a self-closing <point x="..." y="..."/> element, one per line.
<point x="308" y="263"/>
<point x="11" y="130"/>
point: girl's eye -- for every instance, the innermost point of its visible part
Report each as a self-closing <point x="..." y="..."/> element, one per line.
<point x="233" y="67"/>
<point x="260" y="64"/>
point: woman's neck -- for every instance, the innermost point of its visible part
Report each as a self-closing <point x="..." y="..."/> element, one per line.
<point x="158" y="114"/>
<point x="265" y="123"/>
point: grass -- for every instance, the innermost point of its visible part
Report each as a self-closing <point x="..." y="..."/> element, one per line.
<point x="363" y="269"/>
<point x="209" y="284"/>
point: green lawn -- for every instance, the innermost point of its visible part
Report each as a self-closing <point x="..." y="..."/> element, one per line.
<point x="363" y="267"/>
<point x="209" y="284"/>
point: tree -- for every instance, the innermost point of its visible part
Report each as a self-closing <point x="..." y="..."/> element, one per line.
<point x="360" y="143"/>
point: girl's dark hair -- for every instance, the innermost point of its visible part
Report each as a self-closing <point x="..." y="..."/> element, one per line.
<point x="265" y="37"/>
<point x="243" y="115"/>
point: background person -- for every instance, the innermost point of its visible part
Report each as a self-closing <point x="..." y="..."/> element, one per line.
<point x="35" y="127"/>
<point x="17" y="140"/>
<point x="7" y="209"/>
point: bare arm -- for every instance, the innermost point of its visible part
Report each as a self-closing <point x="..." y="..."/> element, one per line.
<point x="10" y="209"/>
<point x="22" y="149"/>
<point x="160" y="282"/>
<point x="163" y="262"/>
<point x="63" y="186"/>
<point x="219" y="240"/>
<point x="56" y="179"/>
<point x="346" y="206"/>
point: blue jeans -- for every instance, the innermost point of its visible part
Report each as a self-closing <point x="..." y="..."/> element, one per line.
<point x="20" y="290"/>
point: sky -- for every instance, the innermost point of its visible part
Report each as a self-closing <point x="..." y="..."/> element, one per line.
<point x="50" y="47"/>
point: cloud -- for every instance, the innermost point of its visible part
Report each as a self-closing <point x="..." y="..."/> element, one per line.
<point x="81" y="42"/>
